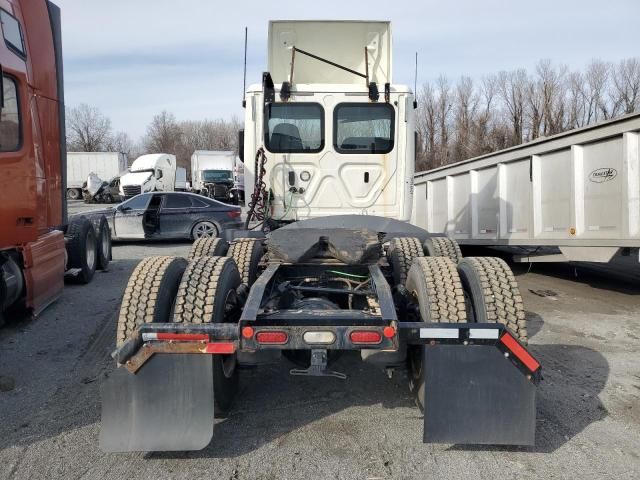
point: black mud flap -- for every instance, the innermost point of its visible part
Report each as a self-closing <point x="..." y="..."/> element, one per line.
<point x="166" y="406"/>
<point x="475" y="395"/>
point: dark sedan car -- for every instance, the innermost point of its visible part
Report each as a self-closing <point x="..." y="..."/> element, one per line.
<point x="170" y="215"/>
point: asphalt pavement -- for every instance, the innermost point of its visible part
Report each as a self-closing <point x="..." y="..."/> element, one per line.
<point x="584" y="327"/>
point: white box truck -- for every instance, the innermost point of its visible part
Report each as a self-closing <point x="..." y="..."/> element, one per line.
<point x="105" y="165"/>
<point x="212" y="174"/>
<point x="155" y="172"/>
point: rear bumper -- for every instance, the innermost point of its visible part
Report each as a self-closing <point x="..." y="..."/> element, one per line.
<point x="224" y="339"/>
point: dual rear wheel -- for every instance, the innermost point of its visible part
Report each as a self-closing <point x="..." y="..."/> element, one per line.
<point x="200" y="290"/>
<point x="443" y="287"/>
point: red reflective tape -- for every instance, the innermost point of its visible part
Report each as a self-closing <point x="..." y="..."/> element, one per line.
<point x="224" y="348"/>
<point x="184" y="337"/>
<point x="520" y="352"/>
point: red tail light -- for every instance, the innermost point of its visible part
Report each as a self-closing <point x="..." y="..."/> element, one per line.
<point x="233" y="213"/>
<point x="272" y="338"/>
<point x="365" y="337"/>
<point x="520" y="352"/>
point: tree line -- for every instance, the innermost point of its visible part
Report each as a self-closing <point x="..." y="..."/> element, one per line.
<point x="455" y="121"/>
<point x="461" y="120"/>
<point x="89" y="130"/>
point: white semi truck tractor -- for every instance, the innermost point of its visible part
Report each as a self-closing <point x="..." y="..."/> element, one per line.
<point x="155" y="172"/>
<point x="328" y="263"/>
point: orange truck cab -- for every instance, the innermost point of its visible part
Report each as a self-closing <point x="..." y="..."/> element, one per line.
<point x="37" y="243"/>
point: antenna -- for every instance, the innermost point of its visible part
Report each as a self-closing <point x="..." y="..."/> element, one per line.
<point x="244" y="74"/>
<point x="415" y="85"/>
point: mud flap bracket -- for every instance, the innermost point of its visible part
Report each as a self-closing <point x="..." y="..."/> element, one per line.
<point x="474" y="394"/>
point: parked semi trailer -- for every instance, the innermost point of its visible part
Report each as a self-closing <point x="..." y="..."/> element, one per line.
<point x="578" y="191"/>
<point x="329" y="139"/>
<point x="37" y="241"/>
<point x="106" y="165"/>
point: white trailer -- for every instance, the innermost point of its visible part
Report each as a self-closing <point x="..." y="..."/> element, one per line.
<point x="105" y="165"/>
<point x="578" y="191"/>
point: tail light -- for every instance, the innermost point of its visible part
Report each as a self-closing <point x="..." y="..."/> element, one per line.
<point x="233" y="213"/>
<point x="272" y="338"/>
<point x="369" y="337"/>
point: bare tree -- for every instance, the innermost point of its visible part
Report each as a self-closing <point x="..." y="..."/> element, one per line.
<point x="88" y="130"/>
<point x="512" y="87"/>
<point x="163" y="134"/>
<point x="626" y="86"/>
<point x="121" y="142"/>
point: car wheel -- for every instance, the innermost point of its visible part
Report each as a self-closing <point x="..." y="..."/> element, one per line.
<point x="204" y="230"/>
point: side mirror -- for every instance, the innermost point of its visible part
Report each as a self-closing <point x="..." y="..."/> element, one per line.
<point x="241" y="145"/>
<point x="158" y="174"/>
<point x="123" y="208"/>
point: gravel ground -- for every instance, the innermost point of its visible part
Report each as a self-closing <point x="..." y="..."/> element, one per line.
<point x="586" y="335"/>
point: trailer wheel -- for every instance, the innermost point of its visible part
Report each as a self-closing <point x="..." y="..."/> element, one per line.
<point x="150" y="294"/>
<point x="442" y="247"/>
<point x="103" y="234"/>
<point x="493" y="293"/>
<point x="73" y="194"/>
<point x="401" y="252"/>
<point x="436" y="290"/>
<point x="207" y="294"/>
<point x="246" y="252"/>
<point x="82" y="248"/>
<point x="208" y="247"/>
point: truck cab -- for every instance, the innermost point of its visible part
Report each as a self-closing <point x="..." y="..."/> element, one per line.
<point x="154" y="172"/>
<point x="337" y="134"/>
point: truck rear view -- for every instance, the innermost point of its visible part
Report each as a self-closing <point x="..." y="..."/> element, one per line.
<point x="353" y="276"/>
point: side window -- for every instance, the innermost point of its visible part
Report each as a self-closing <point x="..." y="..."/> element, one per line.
<point x="177" y="201"/>
<point x="9" y="117"/>
<point x="137" y="203"/>
<point x="12" y="33"/>
<point x="196" y="202"/>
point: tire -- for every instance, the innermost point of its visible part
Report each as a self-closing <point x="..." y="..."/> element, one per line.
<point x="401" y="252"/>
<point x="103" y="236"/>
<point x="207" y="294"/>
<point x="246" y="252"/>
<point x="493" y="293"/>
<point x="436" y="289"/>
<point x="73" y="194"/>
<point x="208" y="247"/>
<point x="81" y="248"/>
<point x="204" y="229"/>
<point x="150" y="294"/>
<point x="442" y="247"/>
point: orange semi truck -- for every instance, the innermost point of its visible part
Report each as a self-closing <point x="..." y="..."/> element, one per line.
<point x="39" y="245"/>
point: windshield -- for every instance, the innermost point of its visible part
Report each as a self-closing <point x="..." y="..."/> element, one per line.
<point x="294" y="128"/>
<point x="216" y="175"/>
<point x="363" y="128"/>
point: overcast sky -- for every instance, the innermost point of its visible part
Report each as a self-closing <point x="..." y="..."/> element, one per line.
<point x="135" y="58"/>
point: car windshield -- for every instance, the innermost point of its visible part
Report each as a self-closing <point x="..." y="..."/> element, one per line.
<point x="216" y="175"/>
<point x="294" y="128"/>
<point x="363" y="128"/>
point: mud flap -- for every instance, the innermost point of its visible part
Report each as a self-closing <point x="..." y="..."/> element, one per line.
<point x="167" y="405"/>
<point x="476" y="395"/>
